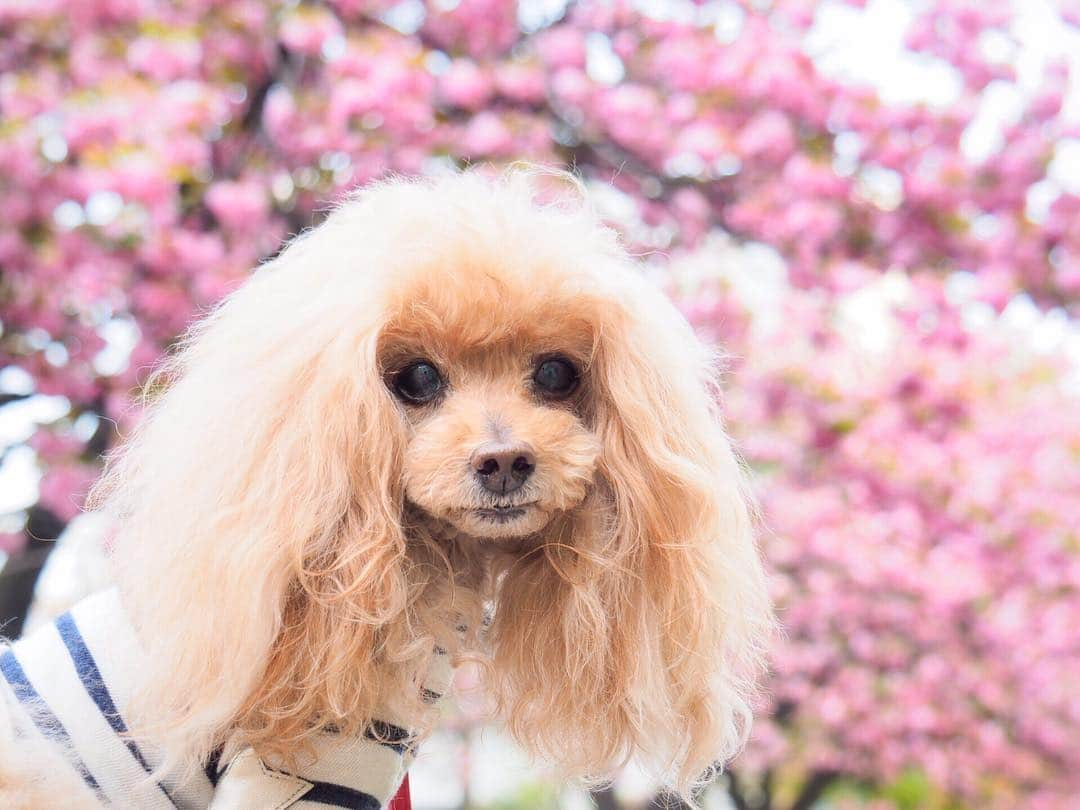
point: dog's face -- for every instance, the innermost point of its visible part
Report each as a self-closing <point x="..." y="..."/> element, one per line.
<point x="491" y="372"/>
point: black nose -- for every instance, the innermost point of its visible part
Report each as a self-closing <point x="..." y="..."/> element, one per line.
<point x="502" y="468"/>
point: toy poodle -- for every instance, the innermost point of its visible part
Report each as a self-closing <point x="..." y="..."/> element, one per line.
<point x="454" y="422"/>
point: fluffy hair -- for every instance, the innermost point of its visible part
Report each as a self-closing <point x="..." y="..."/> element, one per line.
<point x="294" y="539"/>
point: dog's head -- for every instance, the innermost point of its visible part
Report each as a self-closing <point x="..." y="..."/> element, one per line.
<point x="445" y="372"/>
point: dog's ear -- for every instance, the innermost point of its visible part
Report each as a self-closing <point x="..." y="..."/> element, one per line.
<point x="691" y="578"/>
<point x="260" y="547"/>
<point x="646" y="618"/>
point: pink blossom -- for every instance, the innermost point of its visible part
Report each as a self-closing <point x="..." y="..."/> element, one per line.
<point x="521" y="82"/>
<point x="768" y="135"/>
<point x="465" y="84"/>
<point x="562" y="47"/>
<point x="487" y="135"/>
<point x="164" y="59"/>
<point x="239" y="204"/>
<point x="64" y="487"/>
<point x="306" y="28"/>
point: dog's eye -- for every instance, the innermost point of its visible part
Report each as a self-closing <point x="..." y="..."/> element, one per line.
<point x="418" y="383"/>
<point x="556" y="377"/>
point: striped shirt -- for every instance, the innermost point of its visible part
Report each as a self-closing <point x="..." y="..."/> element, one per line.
<point x="69" y="683"/>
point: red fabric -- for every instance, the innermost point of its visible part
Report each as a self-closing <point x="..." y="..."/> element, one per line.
<point x="401" y="800"/>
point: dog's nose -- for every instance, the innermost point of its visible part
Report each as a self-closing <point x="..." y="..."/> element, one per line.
<point x="501" y="467"/>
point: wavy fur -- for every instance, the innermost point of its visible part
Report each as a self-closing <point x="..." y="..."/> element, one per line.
<point x="294" y="540"/>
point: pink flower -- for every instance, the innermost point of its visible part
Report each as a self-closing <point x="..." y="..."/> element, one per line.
<point x="465" y="84"/>
<point x="240" y="205"/>
<point x="520" y="82"/>
<point x="704" y="139"/>
<point x="165" y="58"/>
<point x="487" y="135"/>
<point x="63" y="488"/>
<point x="562" y="47"/>
<point x="305" y="29"/>
<point x="768" y="136"/>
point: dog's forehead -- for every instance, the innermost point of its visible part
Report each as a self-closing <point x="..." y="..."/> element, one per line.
<point x="466" y="308"/>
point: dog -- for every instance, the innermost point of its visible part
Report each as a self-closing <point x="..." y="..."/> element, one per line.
<point x="454" y="422"/>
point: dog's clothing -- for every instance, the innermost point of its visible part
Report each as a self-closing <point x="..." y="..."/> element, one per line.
<point x="69" y="683"/>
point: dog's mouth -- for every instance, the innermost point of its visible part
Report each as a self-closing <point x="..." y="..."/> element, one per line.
<point x="494" y="519"/>
<point x="503" y="513"/>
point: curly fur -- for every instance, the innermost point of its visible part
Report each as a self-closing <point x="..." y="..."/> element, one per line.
<point x="294" y="540"/>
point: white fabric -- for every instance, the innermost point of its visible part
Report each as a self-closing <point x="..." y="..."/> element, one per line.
<point x="247" y="782"/>
<point x="71" y="681"/>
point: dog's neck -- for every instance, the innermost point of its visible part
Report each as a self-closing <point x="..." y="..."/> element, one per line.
<point x="473" y="564"/>
<point x="418" y="522"/>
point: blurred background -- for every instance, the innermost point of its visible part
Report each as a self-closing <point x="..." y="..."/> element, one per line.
<point x="874" y="207"/>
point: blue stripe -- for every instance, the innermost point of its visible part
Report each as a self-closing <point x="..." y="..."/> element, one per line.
<point x="87" y="669"/>
<point x="47" y="722"/>
<point x="391" y="736"/>
<point x="213" y="762"/>
<point x="340" y="796"/>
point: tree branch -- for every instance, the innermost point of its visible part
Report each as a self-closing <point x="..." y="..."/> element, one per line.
<point x="20" y="572"/>
<point x="813" y="789"/>
<point x="735" y="792"/>
<point x="605" y="799"/>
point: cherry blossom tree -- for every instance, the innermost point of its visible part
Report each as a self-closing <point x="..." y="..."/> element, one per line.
<point x="921" y="496"/>
<point x="922" y="501"/>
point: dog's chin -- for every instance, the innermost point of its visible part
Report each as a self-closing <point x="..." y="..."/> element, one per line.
<point x="499" y="523"/>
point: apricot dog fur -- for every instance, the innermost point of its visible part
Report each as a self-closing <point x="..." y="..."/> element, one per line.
<point x="309" y="508"/>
